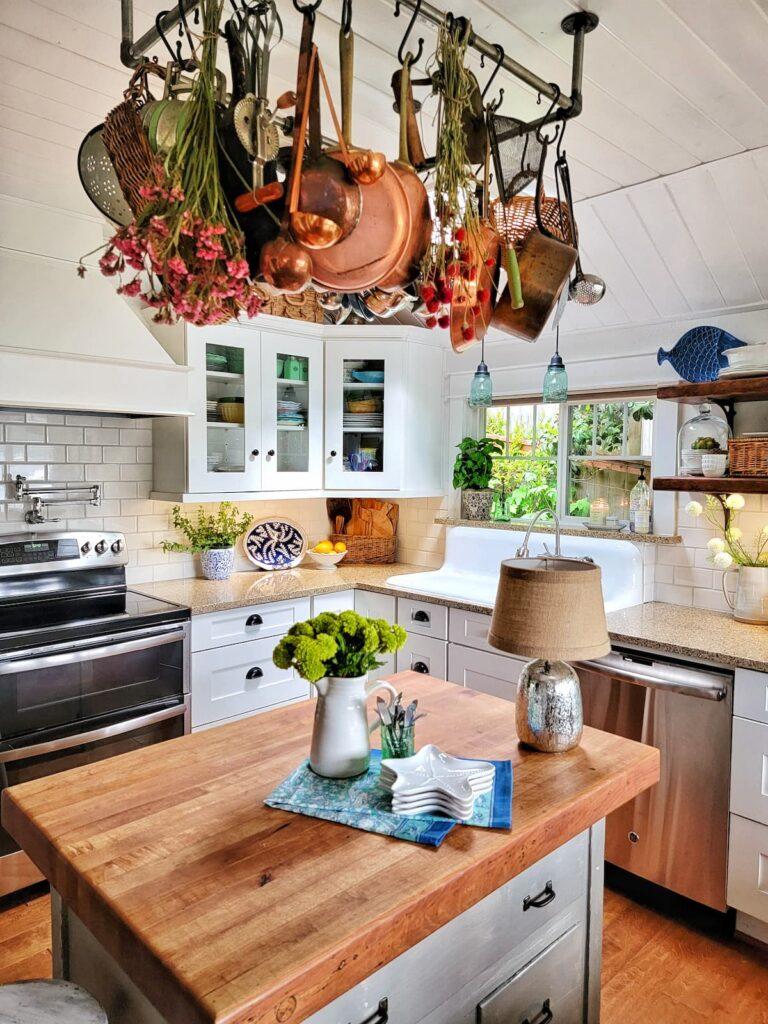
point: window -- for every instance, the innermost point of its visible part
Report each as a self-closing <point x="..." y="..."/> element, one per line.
<point x="564" y="456"/>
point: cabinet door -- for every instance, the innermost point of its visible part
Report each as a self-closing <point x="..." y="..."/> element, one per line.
<point x="496" y="674"/>
<point x="364" y="405"/>
<point x="291" y="412"/>
<point x="224" y="435"/>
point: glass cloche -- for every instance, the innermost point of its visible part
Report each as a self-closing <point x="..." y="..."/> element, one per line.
<point x="705" y="434"/>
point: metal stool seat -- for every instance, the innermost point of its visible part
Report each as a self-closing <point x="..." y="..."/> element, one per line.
<point x="48" y="1002"/>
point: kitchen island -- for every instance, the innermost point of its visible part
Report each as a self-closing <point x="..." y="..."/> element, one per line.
<point x="183" y="899"/>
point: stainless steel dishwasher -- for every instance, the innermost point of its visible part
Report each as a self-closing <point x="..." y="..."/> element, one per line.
<point x="676" y="833"/>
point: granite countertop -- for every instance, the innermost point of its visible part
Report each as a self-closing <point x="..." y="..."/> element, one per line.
<point x="566" y="531"/>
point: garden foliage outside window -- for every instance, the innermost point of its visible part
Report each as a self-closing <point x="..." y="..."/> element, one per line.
<point x="605" y="446"/>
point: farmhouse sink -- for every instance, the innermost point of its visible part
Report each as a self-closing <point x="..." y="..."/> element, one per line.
<point x="470" y="572"/>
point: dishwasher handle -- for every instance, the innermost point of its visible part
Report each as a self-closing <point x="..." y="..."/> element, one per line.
<point x="689" y="682"/>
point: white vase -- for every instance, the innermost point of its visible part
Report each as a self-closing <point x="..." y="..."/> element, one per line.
<point x="341" y="745"/>
<point x="750" y="603"/>
<point x="217" y="563"/>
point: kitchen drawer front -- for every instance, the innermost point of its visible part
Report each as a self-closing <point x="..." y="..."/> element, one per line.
<point x="343" y="601"/>
<point x="496" y="674"/>
<point x="424" y="654"/>
<point x="234" y="680"/>
<point x="551" y="984"/>
<point x="750" y="695"/>
<point x="239" y="625"/>
<point x="470" y="629"/>
<point x="378" y="606"/>
<point x="749" y="770"/>
<point x="423" y="617"/>
<point x="748" y="867"/>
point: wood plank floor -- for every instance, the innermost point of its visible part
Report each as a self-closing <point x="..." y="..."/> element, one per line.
<point x="656" y="969"/>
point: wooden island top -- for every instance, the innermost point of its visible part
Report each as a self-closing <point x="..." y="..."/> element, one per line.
<point x="223" y="910"/>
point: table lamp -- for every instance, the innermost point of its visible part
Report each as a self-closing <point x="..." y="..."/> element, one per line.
<point x="550" y="609"/>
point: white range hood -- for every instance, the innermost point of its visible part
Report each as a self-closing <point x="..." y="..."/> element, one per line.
<point x="74" y="344"/>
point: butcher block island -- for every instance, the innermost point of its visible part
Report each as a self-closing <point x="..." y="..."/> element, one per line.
<point x="180" y="898"/>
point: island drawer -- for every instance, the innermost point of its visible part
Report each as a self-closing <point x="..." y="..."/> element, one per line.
<point x="239" y="625"/>
<point x="750" y="695"/>
<point x="469" y="629"/>
<point x="748" y="867"/>
<point x="424" y="654"/>
<point x="496" y="674"/>
<point x="423" y="617"/>
<point x="239" y="679"/>
<point x="749" y="771"/>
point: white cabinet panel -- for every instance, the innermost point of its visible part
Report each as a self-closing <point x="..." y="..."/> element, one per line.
<point x="378" y="606"/>
<point x="496" y="674"/>
<point x="749" y="770"/>
<point x="343" y="601"/>
<point x="424" y="654"/>
<point x="423" y="617"/>
<point x="240" y="624"/>
<point x="750" y="695"/>
<point x="748" y="867"/>
<point x="469" y="629"/>
<point x="234" y="680"/>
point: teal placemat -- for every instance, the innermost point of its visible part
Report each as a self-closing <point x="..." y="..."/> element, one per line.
<point x="361" y="803"/>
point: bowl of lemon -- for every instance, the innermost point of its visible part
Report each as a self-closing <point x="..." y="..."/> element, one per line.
<point x="326" y="554"/>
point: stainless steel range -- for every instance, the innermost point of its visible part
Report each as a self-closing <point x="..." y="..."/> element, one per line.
<point x="88" y="668"/>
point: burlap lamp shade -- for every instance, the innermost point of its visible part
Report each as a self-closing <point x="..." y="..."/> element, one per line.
<point x="550" y="608"/>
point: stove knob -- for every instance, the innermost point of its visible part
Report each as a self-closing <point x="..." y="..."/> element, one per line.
<point x="101" y="547"/>
<point x="118" y="546"/>
<point x="86" y="547"/>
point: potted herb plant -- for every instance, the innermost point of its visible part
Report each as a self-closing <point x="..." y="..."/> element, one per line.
<point x="212" y="536"/>
<point x="335" y="653"/>
<point x="472" y="472"/>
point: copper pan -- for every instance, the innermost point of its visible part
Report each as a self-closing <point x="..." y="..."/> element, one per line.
<point x="406" y="269"/>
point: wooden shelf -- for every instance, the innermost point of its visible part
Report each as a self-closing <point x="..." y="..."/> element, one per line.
<point x="712" y="484"/>
<point x="224" y="376"/>
<point x="728" y="389"/>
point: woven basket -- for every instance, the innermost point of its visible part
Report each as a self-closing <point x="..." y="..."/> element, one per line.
<point x="302" y="306"/>
<point x="748" y="456"/>
<point x="368" y="550"/>
<point x="128" y="150"/>
<point x="364" y="405"/>
<point x="515" y="220"/>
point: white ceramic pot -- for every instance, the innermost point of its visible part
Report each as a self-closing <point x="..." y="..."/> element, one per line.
<point x="714" y="464"/>
<point x="217" y="563"/>
<point x="341" y="746"/>
<point x="750" y="603"/>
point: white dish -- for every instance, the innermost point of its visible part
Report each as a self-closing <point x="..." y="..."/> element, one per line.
<point x="480" y="785"/>
<point x="449" y="812"/>
<point x="326" y="560"/>
<point x="745" y="371"/>
<point x="433" y="769"/>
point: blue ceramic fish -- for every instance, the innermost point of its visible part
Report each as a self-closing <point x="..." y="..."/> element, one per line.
<point x="698" y="355"/>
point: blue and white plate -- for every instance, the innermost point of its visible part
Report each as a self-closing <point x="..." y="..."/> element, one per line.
<point x="275" y="544"/>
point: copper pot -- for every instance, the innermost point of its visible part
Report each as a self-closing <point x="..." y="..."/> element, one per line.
<point x="285" y="265"/>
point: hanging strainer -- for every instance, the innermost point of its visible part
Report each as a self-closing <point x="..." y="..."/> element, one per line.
<point x="517" y="153"/>
<point x="98" y="178"/>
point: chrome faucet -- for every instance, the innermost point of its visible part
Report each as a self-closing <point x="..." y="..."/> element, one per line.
<point x="523" y="552"/>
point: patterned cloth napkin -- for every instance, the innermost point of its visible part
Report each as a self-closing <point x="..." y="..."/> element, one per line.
<point x="360" y="802"/>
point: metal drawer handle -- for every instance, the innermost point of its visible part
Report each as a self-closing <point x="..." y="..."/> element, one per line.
<point x="421" y="666"/>
<point x="254" y="620"/>
<point x="546" y="896"/>
<point x="420" y="616"/>
<point x="380" y="1016"/>
<point x="544" y="1016"/>
<point x="254" y="673"/>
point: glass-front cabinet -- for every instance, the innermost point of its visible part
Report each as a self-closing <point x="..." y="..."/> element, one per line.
<point x="363" y="415"/>
<point x="292" y="412"/>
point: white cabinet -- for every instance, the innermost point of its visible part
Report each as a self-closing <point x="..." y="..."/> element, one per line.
<point x="236" y="625"/>
<point x="748" y="867"/>
<point x="470" y="629"/>
<point x="423" y="617"/>
<point x="378" y="606"/>
<point x="749" y="770"/>
<point x="496" y="674"/>
<point x="424" y="654"/>
<point x="341" y="601"/>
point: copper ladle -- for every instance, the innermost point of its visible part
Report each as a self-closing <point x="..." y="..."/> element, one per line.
<point x="365" y="166"/>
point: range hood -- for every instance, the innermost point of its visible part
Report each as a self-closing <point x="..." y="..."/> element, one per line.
<point x="74" y="344"/>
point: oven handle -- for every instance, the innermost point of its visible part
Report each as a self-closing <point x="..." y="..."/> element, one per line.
<point x="104" y="733"/>
<point x="81" y="652"/>
<point x="688" y="682"/>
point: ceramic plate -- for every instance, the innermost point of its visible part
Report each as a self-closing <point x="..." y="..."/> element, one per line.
<point x="434" y="770"/>
<point x="275" y="544"/>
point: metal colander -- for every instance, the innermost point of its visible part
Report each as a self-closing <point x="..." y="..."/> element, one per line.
<point x="98" y="178"/>
<point x="517" y="153"/>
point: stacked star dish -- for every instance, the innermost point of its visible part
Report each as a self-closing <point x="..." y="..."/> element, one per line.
<point x="433" y="782"/>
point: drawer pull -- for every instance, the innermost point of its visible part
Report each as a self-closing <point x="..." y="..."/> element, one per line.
<point x="420" y="616"/>
<point x="380" y="1016"/>
<point x="254" y="620"/>
<point x="544" y="1016"/>
<point x="421" y="666"/>
<point x="254" y="673"/>
<point x="546" y="896"/>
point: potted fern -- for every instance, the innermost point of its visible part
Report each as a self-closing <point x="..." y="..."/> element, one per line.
<point x="212" y="536"/>
<point x="472" y="472"/>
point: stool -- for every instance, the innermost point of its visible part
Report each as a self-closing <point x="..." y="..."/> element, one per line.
<point x="48" y="1002"/>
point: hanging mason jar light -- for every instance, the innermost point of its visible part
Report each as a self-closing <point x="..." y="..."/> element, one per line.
<point x="481" y="389"/>
<point x="555" y="387"/>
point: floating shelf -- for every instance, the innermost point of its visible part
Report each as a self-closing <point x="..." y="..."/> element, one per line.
<point x="728" y="389"/>
<point x="712" y="484"/>
<point x="293" y="383"/>
<point x="290" y="426"/>
<point x="221" y="425"/>
<point x="356" y="385"/>
<point x="224" y="376"/>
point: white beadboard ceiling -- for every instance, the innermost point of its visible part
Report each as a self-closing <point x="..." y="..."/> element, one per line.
<point x="669" y="157"/>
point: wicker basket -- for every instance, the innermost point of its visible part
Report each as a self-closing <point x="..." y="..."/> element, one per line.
<point x="515" y="220"/>
<point x="368" y="550"/>
<point x="748" y="456"/>
<point x="363" y="405"/>
<point x="128" y="150"/>
<point x="301" y="306"/>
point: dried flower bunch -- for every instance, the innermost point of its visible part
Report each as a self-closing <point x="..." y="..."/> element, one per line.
<point x="729" y="549"/>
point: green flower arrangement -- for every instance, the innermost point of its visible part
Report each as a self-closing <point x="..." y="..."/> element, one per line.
<point x="345" y="645"/>
<point x="208" y="531"/>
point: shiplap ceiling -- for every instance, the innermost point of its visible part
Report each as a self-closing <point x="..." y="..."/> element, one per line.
<point x="670" y="85"/>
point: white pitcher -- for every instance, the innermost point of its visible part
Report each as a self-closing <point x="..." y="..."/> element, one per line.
<point x="341" y="744"/>
<point x="751" y="601"/>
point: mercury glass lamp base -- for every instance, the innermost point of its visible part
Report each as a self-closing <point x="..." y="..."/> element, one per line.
<point x="548" y="707"/>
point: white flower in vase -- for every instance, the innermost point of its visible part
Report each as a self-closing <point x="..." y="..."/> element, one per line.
<point x="715" y="545"/>
<point x="694" y="508"/>
<point x="735" y="502"/>
<point x="722" y="560"/>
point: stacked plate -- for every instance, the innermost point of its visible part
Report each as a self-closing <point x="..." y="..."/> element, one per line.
<point x="363" y="420"/>
<point x="433" y="782"/>
<point x="746" y="362"/>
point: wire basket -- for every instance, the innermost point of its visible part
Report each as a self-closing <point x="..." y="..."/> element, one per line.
<point x="367" y="550"/>
<point x="748" y="456"/>
<point x="517" y="153"/>
<point x="515" y="220"/>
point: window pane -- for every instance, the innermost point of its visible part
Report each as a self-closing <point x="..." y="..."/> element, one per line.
<point x="581" y="430"/>
<point x="610" y="428"/>
<point x="521" y="429"/>
<point x="640" y="428"/>
<point x="496" y="423"/>
<point x="530" y="485"/>
<point x="547" y="424"/>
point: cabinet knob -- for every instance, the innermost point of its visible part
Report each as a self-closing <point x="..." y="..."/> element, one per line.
<point x="254" y="673"/>
<point x="546" y="896"/>
<point x="333" y="453"/>
<point x="254" y="620"/>
<point x="421" y="666"/>
<point x="255" y="453"/>
<point x="420" y="616"/>
<point x="271" y="453"/>
<point x="544" y="1016"/>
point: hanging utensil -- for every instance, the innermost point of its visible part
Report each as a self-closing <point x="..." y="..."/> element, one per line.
<point x="586" y="289"/>
<point x="98" y="178"/>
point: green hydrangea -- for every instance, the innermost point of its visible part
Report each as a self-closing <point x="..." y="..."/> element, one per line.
<point x="344" y="645"/>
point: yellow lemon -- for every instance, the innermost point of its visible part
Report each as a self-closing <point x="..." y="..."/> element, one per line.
<point x="340" y="547"/>
<point x="324" y="547"/>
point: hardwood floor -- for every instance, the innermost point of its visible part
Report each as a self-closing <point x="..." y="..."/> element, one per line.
<point x="657" y="969"/>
